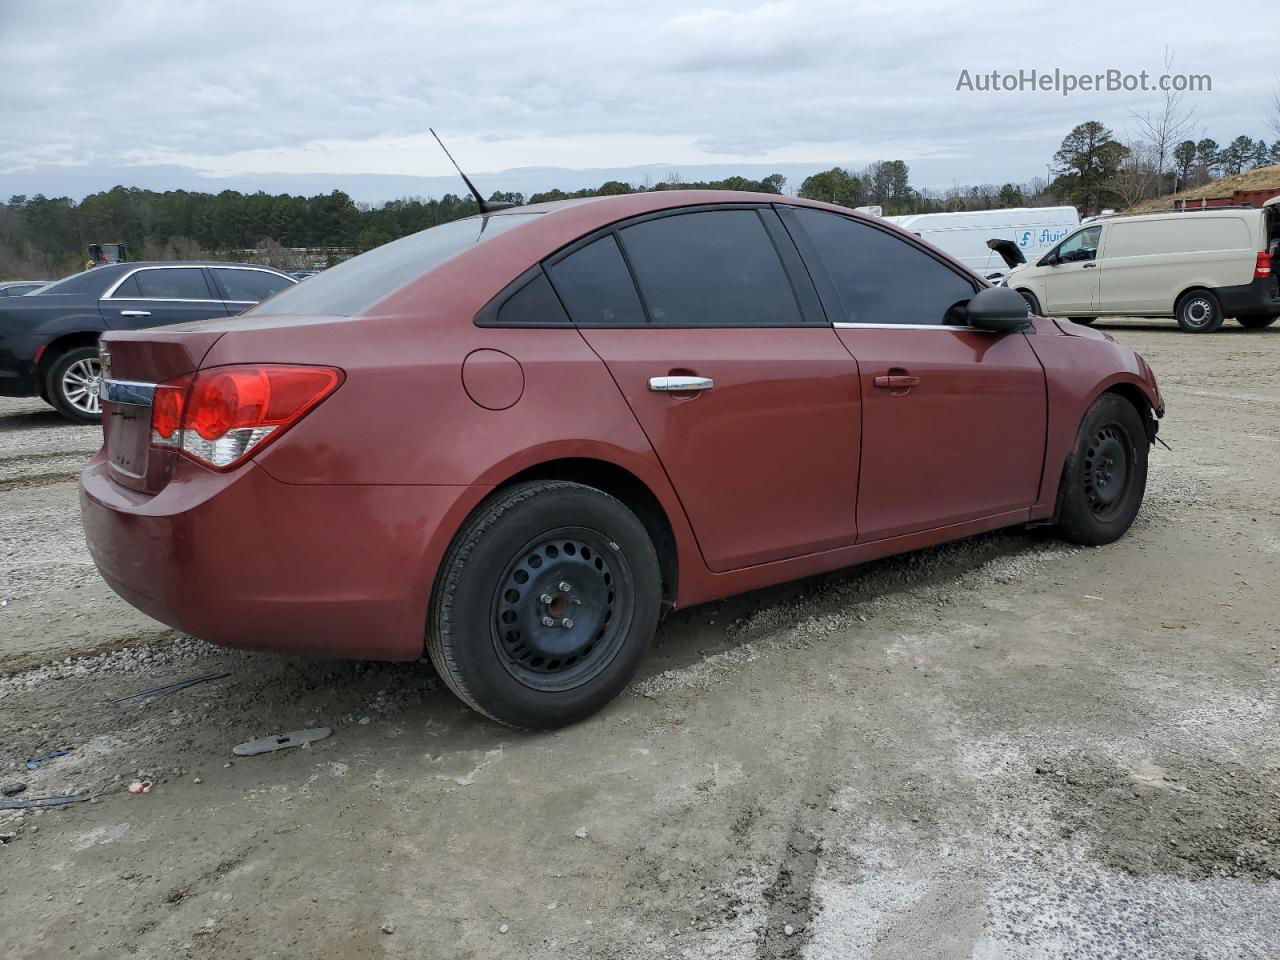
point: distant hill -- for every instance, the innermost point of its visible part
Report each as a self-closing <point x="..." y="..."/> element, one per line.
<point x="1263" y="178"/>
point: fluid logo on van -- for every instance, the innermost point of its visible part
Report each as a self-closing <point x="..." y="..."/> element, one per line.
<point x="1045" y="238"/>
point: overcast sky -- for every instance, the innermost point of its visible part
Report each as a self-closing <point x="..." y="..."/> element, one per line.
<point x="231" y="88"/>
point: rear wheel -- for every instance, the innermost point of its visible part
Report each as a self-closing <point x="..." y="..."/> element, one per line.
<point x="1032" y="303"/>
<point x="1256" y="321"/>
<point x="1105" y="475"/>
<point x="72" y="385"/>
<point x="547" y="601"/>
<point x="1199" y="312"/>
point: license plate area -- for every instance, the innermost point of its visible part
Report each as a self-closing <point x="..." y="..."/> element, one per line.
<point x="127" y="430"/>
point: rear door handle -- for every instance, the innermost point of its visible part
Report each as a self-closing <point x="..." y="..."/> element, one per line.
<point x="135" y="313"/>
<point x="897" y="381"/>
<point x="680" y="384"/>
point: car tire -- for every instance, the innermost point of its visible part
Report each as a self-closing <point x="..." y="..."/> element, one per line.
<point x="1256" y="321"/>
<point x="1105" y="476"/>
<point x="1198" y="311"/>
<point x="70" y="385"/>
<point x="1083" y="321"/>
<point x="496" y="630"/>
<point x="1032" y="303"/>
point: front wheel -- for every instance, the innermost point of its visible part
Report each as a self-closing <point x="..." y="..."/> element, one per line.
<point x="546" y="602"/>
<point x="1199" y="312"/>
<point x="1032" y="303"/>
<point x="1256" y="321"/>
<point x="1105" y="475"/>
<point x="72" y="385"/>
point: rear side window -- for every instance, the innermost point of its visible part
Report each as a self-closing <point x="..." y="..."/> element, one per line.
<point x="881" y="278"/>
<point x="357" y="284"/>
<point x="710" y="268"/>
<point x="177" y="283"/>
<point x="596" y="286"/>
<point x="534" y="304"/>
<point x="248" y="286"/>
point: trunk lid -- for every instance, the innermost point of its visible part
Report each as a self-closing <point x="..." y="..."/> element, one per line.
<point x="134" y="362"/>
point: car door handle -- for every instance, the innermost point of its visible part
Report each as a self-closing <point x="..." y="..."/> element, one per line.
<point x="680" y="384"/>
<point x="135" y="313"/>
<point x="897" y="381"/>
<point x="1088" y="265"/>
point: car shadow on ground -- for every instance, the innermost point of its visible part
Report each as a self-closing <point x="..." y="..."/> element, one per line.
<point x="37" y="417"/>
<point x="1171" y="326"/>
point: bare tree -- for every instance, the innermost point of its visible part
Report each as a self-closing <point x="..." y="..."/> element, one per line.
<point x="1161" y="130"/>
<point x="1273" y="110"/>
<point x="1139" y="176"/>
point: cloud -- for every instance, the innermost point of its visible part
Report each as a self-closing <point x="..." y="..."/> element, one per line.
<point x="232" y="87"/>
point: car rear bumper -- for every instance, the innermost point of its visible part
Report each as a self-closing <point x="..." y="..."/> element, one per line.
<point x="1260" y="297"/>
<point x="243" y="560"/>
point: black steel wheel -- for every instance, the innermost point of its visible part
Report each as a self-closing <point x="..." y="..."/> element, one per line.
<point x="561" y="610"/>
<point x="1105" y="475"/>
<point x="1108" y="470"/>
<point x="545" y="604"/>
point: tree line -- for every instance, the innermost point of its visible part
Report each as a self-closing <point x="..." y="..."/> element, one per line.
<point x="45" y="238"/>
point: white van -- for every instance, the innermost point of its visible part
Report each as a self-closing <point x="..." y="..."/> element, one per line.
<point x="964" y="235"/>
<point x="1197" y="266"/>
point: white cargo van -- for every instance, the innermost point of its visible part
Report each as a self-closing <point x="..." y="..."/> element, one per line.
<point x="1198" y="266"/>
<point x="964" y="235"/>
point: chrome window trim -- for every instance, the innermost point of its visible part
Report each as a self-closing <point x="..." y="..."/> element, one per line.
<point x="110" y="294"/>
<point x="129" y="392"/>
<point x="907" y="326"/>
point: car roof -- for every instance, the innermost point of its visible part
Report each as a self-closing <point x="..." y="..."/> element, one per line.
<point x="470" y="280"/>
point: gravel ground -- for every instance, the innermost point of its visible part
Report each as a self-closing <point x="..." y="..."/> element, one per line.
<point x="1004" y="748"/>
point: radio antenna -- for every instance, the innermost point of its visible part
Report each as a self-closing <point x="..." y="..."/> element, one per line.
<point x="486" y="206"/>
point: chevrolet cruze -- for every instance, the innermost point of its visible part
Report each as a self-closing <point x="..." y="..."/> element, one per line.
<point x="511" y="442"/>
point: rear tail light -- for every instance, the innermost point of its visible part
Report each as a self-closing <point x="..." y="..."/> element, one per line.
<point x="1263" y="269"/>
<point x="219" y="416"/>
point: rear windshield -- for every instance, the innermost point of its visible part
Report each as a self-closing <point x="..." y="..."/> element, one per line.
<point x="358" y="283"/>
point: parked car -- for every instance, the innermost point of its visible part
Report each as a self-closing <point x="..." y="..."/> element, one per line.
<point x="49" y="338"/>
<point x="1198" y="267"/>
<point x="20" y="288"/>
<point x="965" y="234"/>
<point x="511" y="441"/>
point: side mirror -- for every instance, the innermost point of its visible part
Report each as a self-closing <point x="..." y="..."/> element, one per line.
<point x="999" y="309"/>
<point x="1049" y="260"/>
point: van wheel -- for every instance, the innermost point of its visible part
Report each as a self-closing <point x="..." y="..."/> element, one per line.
<point x="1105" y="475"/>
<point x="1256" y="321"/>
<point x="1199" y="312"/>
<point x="72" y="385"/>
<point x="1083" y="321"/>
<point x="1032" y="303"/>
<point x="546" y="603"/>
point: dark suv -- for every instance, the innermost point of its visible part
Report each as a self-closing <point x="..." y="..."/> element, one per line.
<point x="49" y="339"/>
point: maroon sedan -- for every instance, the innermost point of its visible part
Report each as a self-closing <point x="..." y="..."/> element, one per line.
<point x="512" y="441"/>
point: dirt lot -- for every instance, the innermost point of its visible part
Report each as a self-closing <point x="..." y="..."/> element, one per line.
<point x="1002" y="748"/>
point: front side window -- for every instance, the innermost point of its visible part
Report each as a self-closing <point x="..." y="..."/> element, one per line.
<point x="178" y="283"/>
<point x="879" y="277"/>
<point x="248" y="286"/>
<point x="710" y="268"/>
<point x="1080" y="247"/>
